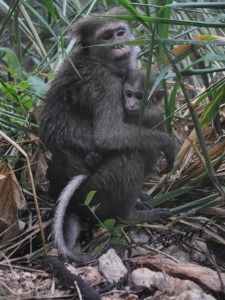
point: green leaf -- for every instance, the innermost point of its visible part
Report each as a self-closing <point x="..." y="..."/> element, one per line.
<point x="167" y="21"/>
<point x="12" y="62"/>
<point x="117" y="232"/>
<point x="38" y="86"/>
<point x="201" y="71"/>
<point x="116" y="240"/>
<point x="94" y="208"/>
<point x="194" y="206"/>
<point x="98" y="248"/>
<point x="214" y="5"/>
<point x="109" y="224"/>
<point x="89" y="197"/>
<point x="50" y="7"/>
<point x="212" y="107"/>
<point x="172" y="194"/>
<point x="2" y="53"/>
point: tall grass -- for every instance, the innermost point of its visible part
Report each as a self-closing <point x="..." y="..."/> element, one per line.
<point x="183" y="42"/>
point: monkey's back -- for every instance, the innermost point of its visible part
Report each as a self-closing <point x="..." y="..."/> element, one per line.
<point x="73" y="102"/>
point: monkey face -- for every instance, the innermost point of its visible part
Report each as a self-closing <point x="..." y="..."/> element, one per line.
<point x="99" y="36"/>
<point x="133" y="101"/>
<point x="115" y="32"/>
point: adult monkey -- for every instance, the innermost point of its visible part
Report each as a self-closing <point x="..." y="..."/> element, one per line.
<point x="84" y="113"/>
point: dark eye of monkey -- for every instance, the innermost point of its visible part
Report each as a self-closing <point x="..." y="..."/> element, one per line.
<point x="128" y="94"/>
<point x="139" y="97"/>
<point x="120" y="32"/>
<point x="108" y="36"/>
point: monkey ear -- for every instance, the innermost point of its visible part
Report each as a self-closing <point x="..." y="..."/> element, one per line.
<point x="159" y="94"/>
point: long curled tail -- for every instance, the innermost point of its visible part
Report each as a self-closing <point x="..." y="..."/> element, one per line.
<point x="53" y="265"/>
<point x="60" y="213"/>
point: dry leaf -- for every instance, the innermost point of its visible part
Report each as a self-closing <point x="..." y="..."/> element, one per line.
<point x="39" y="163"/>
<point x="11" y="196"/>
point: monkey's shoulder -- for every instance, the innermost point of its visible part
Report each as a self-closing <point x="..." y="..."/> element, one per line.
<point x="83" y="67"/>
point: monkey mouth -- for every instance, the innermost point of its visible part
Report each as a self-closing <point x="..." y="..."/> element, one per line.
<point x="121" y="52"/>
<point x="132" y="112"/>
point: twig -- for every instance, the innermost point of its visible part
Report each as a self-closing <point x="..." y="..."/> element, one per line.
<point x="32" y="186"/>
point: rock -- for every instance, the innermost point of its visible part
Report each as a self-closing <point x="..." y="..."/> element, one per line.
<point x="111" y="266"/>
<point x="173" y="286"/>
<point x="199" y="256"/>
<point x="178" y="253"/>
<point x="90" y="274"/>
<point x="143" y="276"/>
<point x="195" y="295"/>
<point x="141" y="239"/>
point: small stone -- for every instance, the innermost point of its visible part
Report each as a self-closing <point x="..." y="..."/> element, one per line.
<point x="142" y="276"/>
<point x="111" y="266"/>
<point x="195" y="295"/>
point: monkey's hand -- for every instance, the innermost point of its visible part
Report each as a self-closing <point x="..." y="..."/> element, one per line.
<point x="168" y="149"/>
<point x="144" y="202"/>
<point x="93" y="159"/>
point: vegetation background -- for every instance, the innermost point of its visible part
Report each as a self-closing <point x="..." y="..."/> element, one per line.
<point x="182" y="41"/>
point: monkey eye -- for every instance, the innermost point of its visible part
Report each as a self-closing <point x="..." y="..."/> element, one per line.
<point x="107" y="36"/>
<point x="128" y="94"/>
<point x="139" y="97"/>
<point x="120" y="32"/>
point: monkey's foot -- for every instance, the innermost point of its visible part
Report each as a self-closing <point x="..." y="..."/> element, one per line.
<point x="158" y="214"/>
<point x="154" y="215"/>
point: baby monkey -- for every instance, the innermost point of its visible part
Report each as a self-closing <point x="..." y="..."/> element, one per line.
<point x="150" y="116"/>
<point x="133" y="92"/>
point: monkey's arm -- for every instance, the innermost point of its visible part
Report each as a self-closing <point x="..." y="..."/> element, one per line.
<point x="111" y="134"/>
<point x="153" y="118"/>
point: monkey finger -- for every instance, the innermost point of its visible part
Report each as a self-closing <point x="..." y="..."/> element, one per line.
<point x="145" y="197"/>
<point x="143" y="205"/>
<point x="158" y="215"/>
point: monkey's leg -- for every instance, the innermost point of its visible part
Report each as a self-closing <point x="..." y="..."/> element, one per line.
<point x="56" y="267"/>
